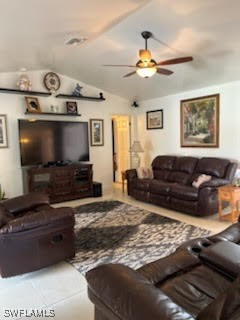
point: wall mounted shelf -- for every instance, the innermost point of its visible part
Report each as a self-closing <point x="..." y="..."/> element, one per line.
<point x="69" y="96"/>
<point x="47" y="94"/>
<point x="53" y="114"/>
<point x="23" y="92"/>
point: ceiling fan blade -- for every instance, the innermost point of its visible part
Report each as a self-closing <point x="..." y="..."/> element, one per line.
<point x="129" y="74"/>
<point x="145" y="55"/>
<point x="175" y="61"/>
<point x="118" y="65"/>
<point x="164" y="71"/>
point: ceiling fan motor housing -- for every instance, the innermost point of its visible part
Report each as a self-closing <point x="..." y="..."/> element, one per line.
<point x="146" y="34"/>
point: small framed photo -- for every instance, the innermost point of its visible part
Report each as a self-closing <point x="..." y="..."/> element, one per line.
<point x="3" y="131"/>
<point x="155" y="119"/>
<point x="72" y="107"/>
<point x="96" y="132"/>
<point x="33" y="105"/>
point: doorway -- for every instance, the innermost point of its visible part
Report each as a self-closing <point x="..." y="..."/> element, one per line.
<point x="121" y="141"/>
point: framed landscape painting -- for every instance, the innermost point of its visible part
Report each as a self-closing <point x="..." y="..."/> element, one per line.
<point x="200" y="122"/>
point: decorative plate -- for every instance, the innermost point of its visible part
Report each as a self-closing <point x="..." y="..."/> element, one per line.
<point x="52" y="81"/>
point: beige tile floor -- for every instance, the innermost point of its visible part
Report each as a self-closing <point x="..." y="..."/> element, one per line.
<point x="61" y="287"/>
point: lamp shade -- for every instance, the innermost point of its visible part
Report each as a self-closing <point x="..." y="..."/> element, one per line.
<point x="146" y="72"/>
<point x="136" y="147"/>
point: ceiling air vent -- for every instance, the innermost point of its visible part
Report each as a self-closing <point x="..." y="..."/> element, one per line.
<point x="75" y="41"/>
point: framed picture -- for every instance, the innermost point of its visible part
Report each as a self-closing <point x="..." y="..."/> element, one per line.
<point x="155" y="119"/>
<point x="96" y="132"/>
<point x="72" y="107"/>
<point x="3" y="131"/>
<point x="200" y="122"/>
<point x="33" y="105"/>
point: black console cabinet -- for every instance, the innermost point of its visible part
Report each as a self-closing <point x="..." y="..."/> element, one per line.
<point x="62" y="183"/>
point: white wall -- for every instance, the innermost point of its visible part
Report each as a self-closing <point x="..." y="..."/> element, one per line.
<point x="14" y="107"/>
<point x="167" y="140"/>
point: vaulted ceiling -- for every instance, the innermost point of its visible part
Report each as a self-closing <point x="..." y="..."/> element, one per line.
<point x="33" y="35"/>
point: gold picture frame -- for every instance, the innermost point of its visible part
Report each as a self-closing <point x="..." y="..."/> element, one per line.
<point x="200" y="122"/>
<point x="33" y="105"/>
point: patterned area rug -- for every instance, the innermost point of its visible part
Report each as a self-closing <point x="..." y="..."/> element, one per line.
<point x="115" y="232"/>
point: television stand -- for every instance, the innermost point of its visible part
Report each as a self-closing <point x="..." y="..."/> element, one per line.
<point x="56" y="164"/>
<point x="62" y="183"/>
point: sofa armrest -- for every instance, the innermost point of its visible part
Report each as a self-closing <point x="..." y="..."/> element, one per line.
<point x="214" y="183"/>
<point x="127" y="295"/>
<point x="64" y="215"/>
<point x="131" y="174"/>
<point x="26" y="202"/>
<point x="222" y="256"/>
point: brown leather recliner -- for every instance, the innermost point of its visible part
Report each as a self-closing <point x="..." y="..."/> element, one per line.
<point x="200" y="280"/>
<point x="33" y="234"/>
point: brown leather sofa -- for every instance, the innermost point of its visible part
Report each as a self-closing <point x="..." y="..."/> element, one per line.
<point x="33" y="234"/>
<point x="200" y="280"/>
<point x="171" y="186"/>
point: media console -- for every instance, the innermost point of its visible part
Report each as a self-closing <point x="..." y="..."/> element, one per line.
<point x="61" y="182"/>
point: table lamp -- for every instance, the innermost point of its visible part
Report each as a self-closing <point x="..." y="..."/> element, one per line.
<point x="135" y="149"/>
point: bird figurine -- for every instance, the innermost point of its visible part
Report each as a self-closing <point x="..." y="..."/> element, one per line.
<point x="76" y="92"/>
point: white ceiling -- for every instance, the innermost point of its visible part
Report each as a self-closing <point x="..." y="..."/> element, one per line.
<point x="33" y="35"/>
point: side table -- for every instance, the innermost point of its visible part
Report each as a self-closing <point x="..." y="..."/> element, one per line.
<point x="229" y="194"/>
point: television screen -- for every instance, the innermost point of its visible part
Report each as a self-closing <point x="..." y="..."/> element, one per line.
<point x="44" y="141"/>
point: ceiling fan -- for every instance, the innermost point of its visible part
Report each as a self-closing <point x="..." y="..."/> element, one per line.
<point x="146" y="67"/>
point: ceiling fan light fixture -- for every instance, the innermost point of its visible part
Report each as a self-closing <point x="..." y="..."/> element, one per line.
<point x="146" y="72"/>
<point x="145" y="55"/>
<point x="146" y="67"/>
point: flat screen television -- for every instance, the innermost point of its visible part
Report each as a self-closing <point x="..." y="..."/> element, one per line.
<point x="44" y="141"/>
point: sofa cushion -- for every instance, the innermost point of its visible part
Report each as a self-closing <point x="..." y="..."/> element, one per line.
<point x="212" y="166"/>
<point x="225" y="306"/>
<point x="182" y="170"/>
<point x="162" y="165"/>
<point x="185" y="164"/>
<point x="164" y="162"/>
<point x="195" y="289"/>
<point x="142" y="184"/>
<point x="161" y="174"/>
<point x="160" y="187"/>
<point x="184" y="192"/>
<point x="179" y="177"/>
